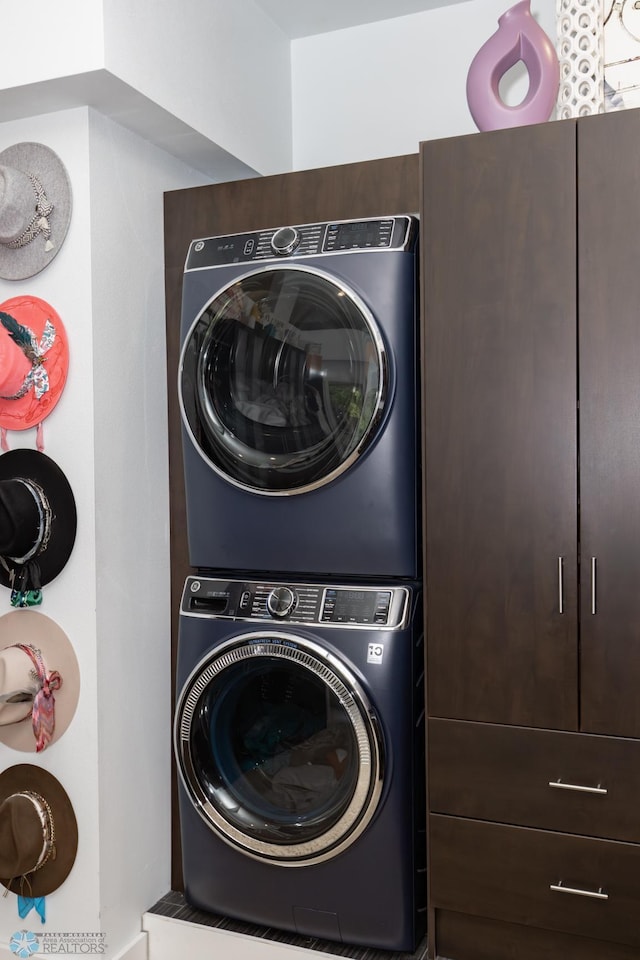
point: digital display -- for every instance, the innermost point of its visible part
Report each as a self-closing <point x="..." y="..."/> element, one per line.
<point x="359" y="233"/>
<point x="356" y="606"/>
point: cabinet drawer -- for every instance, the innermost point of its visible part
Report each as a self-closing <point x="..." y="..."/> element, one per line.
<point x="508" y="873"/>
<point x="503" y="773"/>
<point x="478" y="938"/>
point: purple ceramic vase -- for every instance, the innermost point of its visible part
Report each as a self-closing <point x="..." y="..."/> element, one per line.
<point x="518" y="37"/>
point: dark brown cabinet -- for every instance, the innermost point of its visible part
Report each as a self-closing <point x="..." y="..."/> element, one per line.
<point x="578" y="885"/>
<point x="531" y="305"/>
<point x="569" y="782"/>
<point x="499" y="293"/>
<point x="609" y="370"/>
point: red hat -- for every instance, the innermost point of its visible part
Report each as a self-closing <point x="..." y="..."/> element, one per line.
<point x="34" y="360"/>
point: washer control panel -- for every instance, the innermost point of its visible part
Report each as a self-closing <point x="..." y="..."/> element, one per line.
<point x="297" y="603"/>
<point x="303" y="240"/>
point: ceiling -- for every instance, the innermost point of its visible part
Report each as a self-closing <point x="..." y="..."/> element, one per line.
<point x="302" y="18"/>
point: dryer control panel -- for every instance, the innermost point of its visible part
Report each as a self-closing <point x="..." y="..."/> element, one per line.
<point x="332" y="605"/>
<point x="303" y="240"/>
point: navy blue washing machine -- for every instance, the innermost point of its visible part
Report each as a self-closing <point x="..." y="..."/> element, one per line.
<point x="300" y="749"/>
<point x="298" y="389"/>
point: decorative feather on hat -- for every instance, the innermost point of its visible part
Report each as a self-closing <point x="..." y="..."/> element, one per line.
<point x="34" y="361"/>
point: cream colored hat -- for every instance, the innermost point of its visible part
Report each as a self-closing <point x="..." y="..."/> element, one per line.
<point x="36" y="659"/>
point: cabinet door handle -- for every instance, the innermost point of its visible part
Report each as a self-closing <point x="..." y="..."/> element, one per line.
<point x="598" y="894"/>
<point x="559" y="785"/>
<point x="560" y="585"/>
<point x="593" y="584"/>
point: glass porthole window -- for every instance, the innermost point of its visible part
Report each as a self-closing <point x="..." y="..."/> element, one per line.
<point x="279" y="749"/>
<point x="283" y="379"/>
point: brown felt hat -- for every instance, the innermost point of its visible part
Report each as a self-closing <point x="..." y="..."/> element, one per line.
<point x="38" y="831"/>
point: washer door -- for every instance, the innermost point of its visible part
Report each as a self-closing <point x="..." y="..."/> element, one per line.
<point x="283" y="379"/>
<point x="279" y="749"/>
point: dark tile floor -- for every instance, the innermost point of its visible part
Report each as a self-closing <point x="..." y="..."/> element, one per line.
<point x="173" y="905"/>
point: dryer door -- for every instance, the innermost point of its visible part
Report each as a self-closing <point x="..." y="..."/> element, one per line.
<point x="283" y="379"/>
<point x="279" y="749"/>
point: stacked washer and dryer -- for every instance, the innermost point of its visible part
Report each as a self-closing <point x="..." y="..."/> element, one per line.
<point x="299" y="715"/>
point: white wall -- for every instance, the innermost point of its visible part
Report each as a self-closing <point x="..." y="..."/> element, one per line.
<point x="378" y="90"/>
<point x="194" y="74"/>
<point x="128" y="177"/>
<point x="43" y="40"/>
<point x="222" y="67"/>
<point x="109" y="434"/>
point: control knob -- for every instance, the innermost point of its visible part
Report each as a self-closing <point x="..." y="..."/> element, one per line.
<point x="285" y="240"/>
<point x="281" y="602"/>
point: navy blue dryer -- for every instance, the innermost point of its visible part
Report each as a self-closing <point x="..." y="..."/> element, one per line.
<point x="298" y="393"/>
<point x="300" y="748"/>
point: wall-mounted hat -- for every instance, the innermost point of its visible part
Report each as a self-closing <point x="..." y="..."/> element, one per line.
<point x="38" y="831"/>
<point x="35" y="209"/>
<point x="34" y="360"/>
<point x="37" y="521"/>
<point x="39" y="681"/>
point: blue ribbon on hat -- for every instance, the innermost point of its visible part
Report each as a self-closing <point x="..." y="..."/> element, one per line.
<point x="26" y="904"/>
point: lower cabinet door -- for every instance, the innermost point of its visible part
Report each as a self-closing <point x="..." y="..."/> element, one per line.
<point x="574" y="884"/>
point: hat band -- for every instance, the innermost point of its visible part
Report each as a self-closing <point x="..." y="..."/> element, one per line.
<point x="44" y="517"/>
<point x="43" y="719"/>
<point x="40" y="223"/>
<point x="43" y="810"/>
<point x="35" y="352"/>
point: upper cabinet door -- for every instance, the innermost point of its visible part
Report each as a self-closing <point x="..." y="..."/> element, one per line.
<point x="499" y="342"/>
<point x="609" y="292"/>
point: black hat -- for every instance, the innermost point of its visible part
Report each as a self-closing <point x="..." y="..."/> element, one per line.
<point x="37" y="519"/>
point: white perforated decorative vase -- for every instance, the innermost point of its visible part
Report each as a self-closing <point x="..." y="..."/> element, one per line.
<point x="581" y="57"/>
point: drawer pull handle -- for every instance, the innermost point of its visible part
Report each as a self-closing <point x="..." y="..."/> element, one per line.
<point x="593" y="585"/>
<point x="594" y="894"/>
<point x="559" y="785"/>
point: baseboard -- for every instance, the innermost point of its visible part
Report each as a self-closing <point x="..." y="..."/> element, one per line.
<point x="138" y="949"/>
